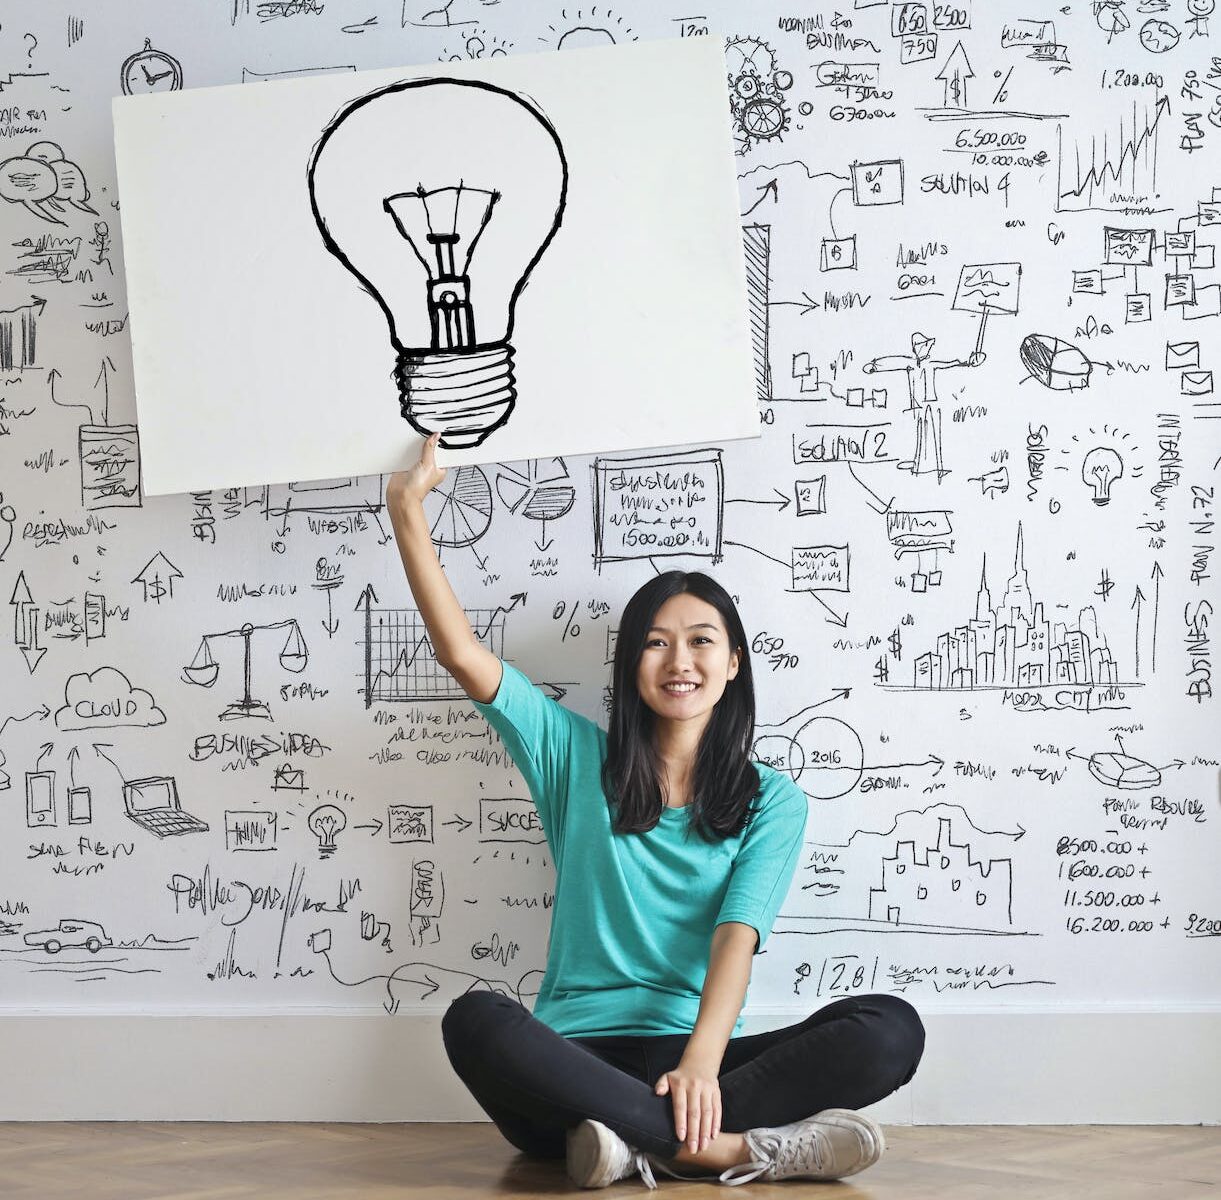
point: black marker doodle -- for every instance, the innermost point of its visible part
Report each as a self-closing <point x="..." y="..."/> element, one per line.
<point x="157" y="577"/>
<point x="1115" y="170"/>
<point x="476" y="231"/>
<point x="921" y="371"/>
<point x="954" y="74"/>
<point x="326" y="822"/>
<point x="1058" y="365"/>
<point x="106" y="699"/>
<point x="583" y="29"/>
<point x="936" y="872"/>
<point x="1014" y="645"/>
<point x="204" y="669"/>
<point x="153" y="804"/>
<point x="150" y="70"/>
<point x="757" y="88"/>
<point x="71" y="932"/>
<point x="44" y="182"/>
<point x="19" y="331"/>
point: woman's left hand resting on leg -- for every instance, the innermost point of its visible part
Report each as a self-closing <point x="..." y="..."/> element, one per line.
<point x="696" y="1093"/>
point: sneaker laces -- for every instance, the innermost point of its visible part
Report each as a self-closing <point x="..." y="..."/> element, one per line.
<point x="640" y="1160"/>
<point x="803" y="1152"/>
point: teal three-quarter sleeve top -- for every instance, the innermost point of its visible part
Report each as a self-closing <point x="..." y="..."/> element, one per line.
<point x="631" y="928"/>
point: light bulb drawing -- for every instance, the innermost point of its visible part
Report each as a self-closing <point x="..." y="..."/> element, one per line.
<point x="1100" y="468"/>
<point x="440" y="196"/>
<point x="204" y="669"/>
<point x="324" y="823"/>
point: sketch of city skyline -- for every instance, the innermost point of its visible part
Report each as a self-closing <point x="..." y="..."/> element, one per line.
<point x="1013" y="644"/>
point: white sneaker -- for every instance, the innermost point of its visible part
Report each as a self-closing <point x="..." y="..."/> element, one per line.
<point x="598" y="1156"/>
<point x="829" y="1145"/>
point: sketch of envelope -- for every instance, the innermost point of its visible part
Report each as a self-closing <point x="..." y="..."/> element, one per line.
<point x="1182" y="354"/>
<point x="289" y="777"/>
<point x="1197" y="383"/>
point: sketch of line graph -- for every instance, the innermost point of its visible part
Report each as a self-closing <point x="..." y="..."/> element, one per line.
<point x="1115" y="168"/>
<point x="400" y="664"/>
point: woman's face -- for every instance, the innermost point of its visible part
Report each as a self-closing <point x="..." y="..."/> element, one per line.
<point x="687" y="645"/>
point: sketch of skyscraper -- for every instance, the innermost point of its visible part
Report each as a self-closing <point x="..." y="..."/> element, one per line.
<point x="1013" y="644"/>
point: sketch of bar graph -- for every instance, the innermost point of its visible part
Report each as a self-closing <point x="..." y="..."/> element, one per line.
<point x="1114" y="169"/>
<point x="400" y="664"/>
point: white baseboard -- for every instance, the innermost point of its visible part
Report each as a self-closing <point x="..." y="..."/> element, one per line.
<point x="1126" y="1067"/>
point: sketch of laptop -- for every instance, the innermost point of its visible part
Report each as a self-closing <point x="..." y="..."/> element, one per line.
<point x="153" y="804"/>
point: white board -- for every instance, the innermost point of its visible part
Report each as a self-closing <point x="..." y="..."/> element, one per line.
<point x="586" y="291"/>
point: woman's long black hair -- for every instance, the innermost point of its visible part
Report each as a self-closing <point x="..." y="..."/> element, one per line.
<point x="724" y="779"/>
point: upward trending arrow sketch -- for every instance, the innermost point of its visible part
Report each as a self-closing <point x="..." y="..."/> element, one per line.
<point x="954" y="75"/>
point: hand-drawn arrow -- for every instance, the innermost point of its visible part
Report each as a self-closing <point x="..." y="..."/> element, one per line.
<point x="783" y="502"/>
<point x="770" y="186"/>
<point x="1137" y="601"/>
<point x="52" y="375"/>
<point x="807" y="304"/>
<point x="104" y="379"/>
<point x="1157" y="595"/>
<point x="954" y="75"/>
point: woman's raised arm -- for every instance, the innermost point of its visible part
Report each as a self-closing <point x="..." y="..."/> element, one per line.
<point x="454" y="644"/>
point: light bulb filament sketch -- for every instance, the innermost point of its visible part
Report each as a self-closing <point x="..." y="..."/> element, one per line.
<point x="445" y="261"/>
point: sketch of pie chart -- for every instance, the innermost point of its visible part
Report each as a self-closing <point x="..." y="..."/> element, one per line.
<point x="1123" y="771"/>
<point x="542" y="492"/>
<point x="459" y="510"/>
<point x="832" y="758"/>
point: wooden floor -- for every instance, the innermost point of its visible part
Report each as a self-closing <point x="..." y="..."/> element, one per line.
<point x="213" y="1161"/>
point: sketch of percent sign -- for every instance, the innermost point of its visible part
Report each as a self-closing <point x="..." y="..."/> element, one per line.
<point x="825" y="757"/>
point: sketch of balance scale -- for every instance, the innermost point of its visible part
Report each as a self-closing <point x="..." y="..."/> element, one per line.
<point x="204" y="669"/>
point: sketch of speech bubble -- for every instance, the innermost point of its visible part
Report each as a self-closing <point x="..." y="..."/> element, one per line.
<point x="41" y="178"/>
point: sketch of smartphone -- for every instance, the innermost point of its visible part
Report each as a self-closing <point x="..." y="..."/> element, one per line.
<point x="80" y="806"/>
<point x="39" y="798"/>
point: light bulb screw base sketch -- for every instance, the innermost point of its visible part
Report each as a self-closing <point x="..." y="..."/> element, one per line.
<point x="401" y="185"/>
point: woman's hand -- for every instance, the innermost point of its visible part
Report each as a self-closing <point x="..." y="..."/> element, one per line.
<point x="419" y="480"/>
<point x="696" y="1094"/>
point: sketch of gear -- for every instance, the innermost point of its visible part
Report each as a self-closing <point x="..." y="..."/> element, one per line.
<point x="763" y="118"/>
<point x="756" y="92"/>
<point x="744" y="54"/>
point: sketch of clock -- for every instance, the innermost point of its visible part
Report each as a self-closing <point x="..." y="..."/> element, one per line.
<point x="150" y="70"/>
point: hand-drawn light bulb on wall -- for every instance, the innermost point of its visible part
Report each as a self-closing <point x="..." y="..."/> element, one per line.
<point x="1100" y="468"/>
<point x="324" y="823"/>
<point x="440" y="196"/>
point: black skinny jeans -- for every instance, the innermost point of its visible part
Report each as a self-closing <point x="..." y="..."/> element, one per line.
<point x="536" y="1084"/>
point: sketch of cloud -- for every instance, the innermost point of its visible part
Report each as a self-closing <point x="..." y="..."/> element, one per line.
<point x="42" y="176"/>
<point x="106" y="698"/>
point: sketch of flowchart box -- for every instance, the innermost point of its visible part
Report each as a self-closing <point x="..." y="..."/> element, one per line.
<point x="1128" y="247"/>
<point x="667" y="504"/>
<point x="509" y="819"/>
<point x="820" y="569"/>
<point x="409" y="822"/>
<point x="250" y="829"/>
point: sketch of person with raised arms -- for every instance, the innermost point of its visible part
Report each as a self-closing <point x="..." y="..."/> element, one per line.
<point x="673" y="853"/>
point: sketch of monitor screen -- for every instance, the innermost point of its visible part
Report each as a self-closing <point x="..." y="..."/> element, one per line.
<point x="150" y="795"/>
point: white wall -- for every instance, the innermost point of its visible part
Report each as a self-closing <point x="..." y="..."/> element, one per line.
<point x="985" y="844"/>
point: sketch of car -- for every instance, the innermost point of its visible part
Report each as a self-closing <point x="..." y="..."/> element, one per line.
<point x="71" y="932"/>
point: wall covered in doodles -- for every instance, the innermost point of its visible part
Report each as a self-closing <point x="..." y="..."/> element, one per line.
<point x="974" y="544"/>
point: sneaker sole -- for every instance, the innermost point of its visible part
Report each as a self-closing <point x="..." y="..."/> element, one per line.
<point x="589" y="1157"/>
<point x="869" y="1132"/>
